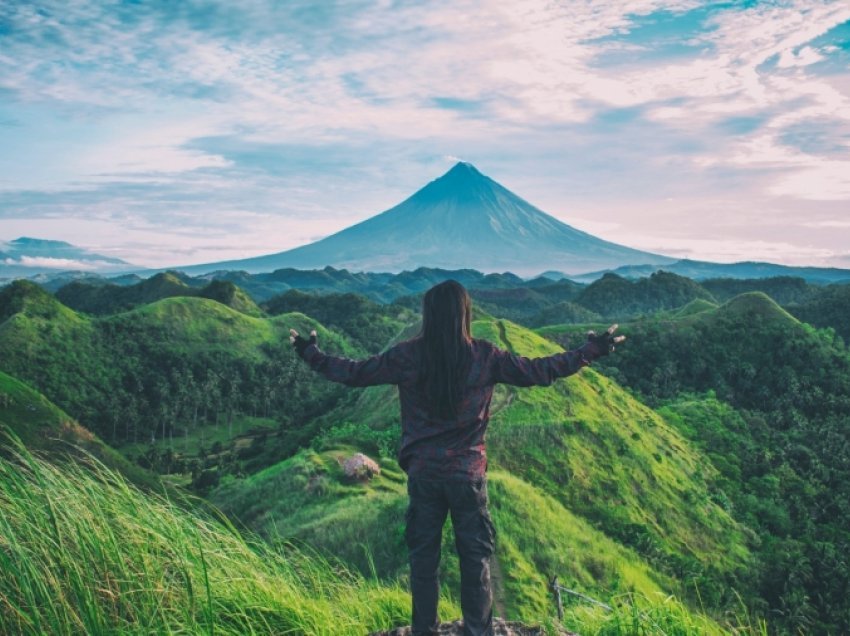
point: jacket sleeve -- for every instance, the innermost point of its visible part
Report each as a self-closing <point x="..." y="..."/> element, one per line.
<point x="509" y="368"/>
<point x="384" y="368"/>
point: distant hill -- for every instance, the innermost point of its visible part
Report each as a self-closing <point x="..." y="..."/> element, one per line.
<point x="783" y="289"/>
<point x="699" y="270"/>
<point x="364" y="321"/>
<point x="380" y="287"/>
<point x="25" y="257"/>
<point x="535" y="302"/>
<point x="107" y="298"/>
<point x="617" y="297"/>
<point x="464" y="219"/>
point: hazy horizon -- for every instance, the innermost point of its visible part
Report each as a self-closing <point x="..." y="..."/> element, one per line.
<point x="171" y="134"/>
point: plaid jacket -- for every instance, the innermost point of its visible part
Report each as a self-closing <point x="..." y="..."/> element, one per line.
<point x="447" y="448"/>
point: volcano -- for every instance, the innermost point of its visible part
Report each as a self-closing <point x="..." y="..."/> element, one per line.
<point x="464" y="219"/>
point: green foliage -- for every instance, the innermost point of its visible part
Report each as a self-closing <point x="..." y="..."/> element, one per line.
<point x="364" y="321"/>
<point x="83" y="551"/>
<point x="782" y="289"/>
<point x="307" y="498"/>
<point x="43" y="426"/>
<point x="108" y="298"/>
<point x="166" y="368"/>
<point x="792" y="492"/>
<point x="775" y="426"/>
<point x="515" y="303"/>
<point x="538" y="537"/>
<point x="828" y="307"/>
<point x="24" y="297"/>
<point x="613" y="296"/>
<point x="635" y="614"/>
<point x="695" y="307"/>
<point x="562" y="312"/>
<point x="231" y="296"/>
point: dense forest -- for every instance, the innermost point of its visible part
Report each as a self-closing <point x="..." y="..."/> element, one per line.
<point x="768" y="400"/>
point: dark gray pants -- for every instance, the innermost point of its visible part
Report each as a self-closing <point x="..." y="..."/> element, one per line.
<point x="430" y="502"/>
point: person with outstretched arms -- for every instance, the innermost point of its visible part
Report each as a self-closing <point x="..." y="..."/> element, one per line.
<point x="445" y="380"/>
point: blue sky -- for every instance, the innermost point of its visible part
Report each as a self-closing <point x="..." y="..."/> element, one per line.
<point x="173" y="133"/>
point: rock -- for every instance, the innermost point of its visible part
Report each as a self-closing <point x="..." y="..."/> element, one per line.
<point x="358" y="467"/>
<point x="500" y="628"/>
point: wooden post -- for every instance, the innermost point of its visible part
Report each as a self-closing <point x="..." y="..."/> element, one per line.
<point x="556" y="593"/>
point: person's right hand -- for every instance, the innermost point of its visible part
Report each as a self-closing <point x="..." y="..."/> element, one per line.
<point x="605" y="341"/>
<point x="299" y="343"/>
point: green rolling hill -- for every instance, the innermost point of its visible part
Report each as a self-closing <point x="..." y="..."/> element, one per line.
<point x="767" y="398"/>
<point x="41" y="426"/>
<point x="110" y="298"/>
<point x="163" y="368"/>
<point x="617" y="297"/>
<point x="588" y="484"/>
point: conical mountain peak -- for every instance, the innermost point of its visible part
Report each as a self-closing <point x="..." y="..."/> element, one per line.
<point x="463" y="169"/>
<point x="463" y="172"/>
<point x="462" y="183"/>
<point x="463" y="219"/>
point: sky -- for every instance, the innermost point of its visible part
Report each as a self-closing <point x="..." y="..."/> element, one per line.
<point x="168" y="133"/>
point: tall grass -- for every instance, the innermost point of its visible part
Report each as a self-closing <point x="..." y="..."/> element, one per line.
<point x="83" y="551"/>
<point x="635" y="614"/>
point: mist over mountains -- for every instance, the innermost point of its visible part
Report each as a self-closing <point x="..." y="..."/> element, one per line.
<point x="26" y="256"/>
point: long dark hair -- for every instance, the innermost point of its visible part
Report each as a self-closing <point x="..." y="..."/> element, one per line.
<point x="446" y="344"/>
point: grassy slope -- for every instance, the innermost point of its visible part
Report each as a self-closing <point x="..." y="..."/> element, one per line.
<point x="779" y="446"/>
<point x="572" y="449"/>
<point x="81" y="362"/>
<point x="607" y="457"/>
<point x="200" y="323"/>
<point x="85" y="552"/>
<point x="35" y="328"/>
<point x="41" y="425"/>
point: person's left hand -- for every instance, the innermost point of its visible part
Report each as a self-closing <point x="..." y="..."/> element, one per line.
<point x="299" y="343"/>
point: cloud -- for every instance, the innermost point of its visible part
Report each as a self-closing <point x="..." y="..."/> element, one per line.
<point x="805" y="56"/>
<point x="225" y="120"/>
<point x="58" y="263"/>
<point x="829" y="224"/>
